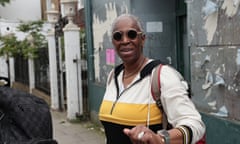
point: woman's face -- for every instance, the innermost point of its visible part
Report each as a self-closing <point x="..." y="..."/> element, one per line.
<point x="128" y="40"/>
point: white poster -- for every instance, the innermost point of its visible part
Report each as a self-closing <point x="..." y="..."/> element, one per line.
<point x="154" y="27"/>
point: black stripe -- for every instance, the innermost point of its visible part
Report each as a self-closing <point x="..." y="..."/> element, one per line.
<point x="114" y="132"/>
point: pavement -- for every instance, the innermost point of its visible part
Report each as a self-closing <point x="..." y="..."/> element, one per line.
<point x="75" y="132"/>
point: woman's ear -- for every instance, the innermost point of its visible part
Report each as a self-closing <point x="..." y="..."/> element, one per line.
<point x="143" y="37"/>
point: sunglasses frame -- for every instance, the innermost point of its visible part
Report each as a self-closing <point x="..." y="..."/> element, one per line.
<point x="127" y="33"/>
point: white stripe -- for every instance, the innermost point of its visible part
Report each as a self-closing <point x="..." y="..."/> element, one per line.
<point x="141" y="96"/>
<point x="186" y="134"/>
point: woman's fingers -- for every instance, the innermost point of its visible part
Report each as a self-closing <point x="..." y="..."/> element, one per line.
<point x="140" y="134"/>
<point x="126" y="131"/>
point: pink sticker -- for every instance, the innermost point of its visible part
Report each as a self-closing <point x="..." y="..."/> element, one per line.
<point x="110" y="56"/>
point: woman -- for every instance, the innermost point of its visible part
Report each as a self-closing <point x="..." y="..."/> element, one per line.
<point x="128" y="112"/>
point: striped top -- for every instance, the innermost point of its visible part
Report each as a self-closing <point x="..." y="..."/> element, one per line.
<point x="131" y="108"/>
<point x="134" y="103"/>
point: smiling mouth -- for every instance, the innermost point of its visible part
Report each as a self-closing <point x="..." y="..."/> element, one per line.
<point x="125" y="50"/>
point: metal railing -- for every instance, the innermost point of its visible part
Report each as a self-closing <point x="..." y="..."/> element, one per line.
<point x="41" y="67"/>
<point x="21" y="70"/>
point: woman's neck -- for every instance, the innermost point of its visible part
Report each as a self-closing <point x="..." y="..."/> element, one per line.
<point x="132" y="69"/>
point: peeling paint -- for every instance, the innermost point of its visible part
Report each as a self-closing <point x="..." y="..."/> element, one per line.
<point x="207" y="58"/>
<point x="208" y="80"/>
<point x="211" y="25"/>
<point x="223" y="112"/>
<point x="232" y="47"/>
<point x="211" y="12"/>
<point x="100" y="28"/>
<point x="213" y="104"/>
<point x="220" y="70"/>
<point x="203" y="49"/>
<point x="238" y="59"/>
<point x="230" y="7"/>
<point x="197" y="64"/>
<point x="219" y="81"/>
<point x="209" y="8"/>
<point x="192" y="33"/>
<point x="229" y="88"/>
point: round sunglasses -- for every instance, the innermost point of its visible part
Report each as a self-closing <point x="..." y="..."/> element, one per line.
<point x="131" y="34"/>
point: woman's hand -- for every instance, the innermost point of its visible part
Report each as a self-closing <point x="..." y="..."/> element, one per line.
<point x="143" y="135"/>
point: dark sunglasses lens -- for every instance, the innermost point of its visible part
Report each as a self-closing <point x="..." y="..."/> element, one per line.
<point x="117" y="36"/>
<point x="132" y="34"/>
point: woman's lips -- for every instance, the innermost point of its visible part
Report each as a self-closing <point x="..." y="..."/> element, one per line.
<point x="125" y="49"/>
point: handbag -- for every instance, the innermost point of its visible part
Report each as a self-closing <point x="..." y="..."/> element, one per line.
<point x="24" y="118"/>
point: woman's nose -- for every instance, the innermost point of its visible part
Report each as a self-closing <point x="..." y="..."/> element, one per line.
<point x="125" y="38"/>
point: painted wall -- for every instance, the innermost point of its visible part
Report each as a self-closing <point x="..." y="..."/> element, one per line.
<point x="158" y="20"/>
<point x="214" y="42"/>
<point x="220" y="130"/>
<point x="104" y="13"/>
<point x="214" y="39"/>
<point x="215" y="65"/>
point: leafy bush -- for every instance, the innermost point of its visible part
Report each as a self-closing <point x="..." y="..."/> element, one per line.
<point x="28" y="47"/>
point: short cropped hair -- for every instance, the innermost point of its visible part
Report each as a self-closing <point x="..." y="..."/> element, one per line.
<point x="134" y="18"/>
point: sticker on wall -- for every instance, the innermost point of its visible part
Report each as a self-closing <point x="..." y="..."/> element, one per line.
<point x="110" y="56"/>
<point x="154" y="26"/>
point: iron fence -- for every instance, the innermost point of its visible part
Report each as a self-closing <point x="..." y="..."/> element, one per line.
<point x="41" y="67"/>
<point x="21" y="70"/>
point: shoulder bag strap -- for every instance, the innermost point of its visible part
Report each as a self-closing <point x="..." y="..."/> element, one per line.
<point x="156" y="93"/>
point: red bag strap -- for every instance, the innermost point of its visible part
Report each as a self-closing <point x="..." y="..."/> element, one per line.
<point x="156" y="85"/>
<point x="156" y="93"/>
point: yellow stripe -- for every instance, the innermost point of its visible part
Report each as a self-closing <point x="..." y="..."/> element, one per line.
<point x="129" y="114"/>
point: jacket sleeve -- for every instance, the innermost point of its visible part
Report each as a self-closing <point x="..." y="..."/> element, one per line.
<point x="179" y="108"/>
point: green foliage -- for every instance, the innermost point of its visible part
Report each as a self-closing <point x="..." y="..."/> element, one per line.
<point x="34" y="26"/>
<point x="10" y="45"/>
<point x="28" y="47"/>
<point x="3" y="2"/>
